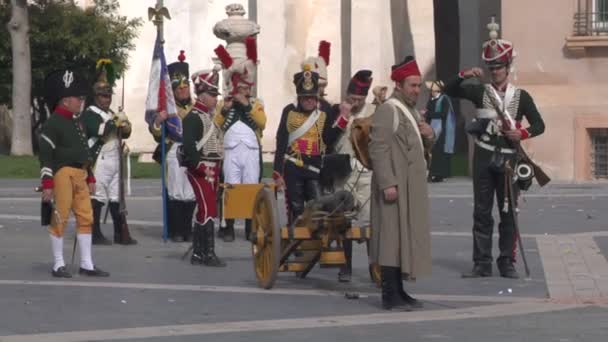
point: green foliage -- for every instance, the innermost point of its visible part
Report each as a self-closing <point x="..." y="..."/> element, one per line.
<point x="63" y="34"/>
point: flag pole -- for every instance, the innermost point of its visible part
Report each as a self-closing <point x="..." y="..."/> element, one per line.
<point x="157" y="15"/>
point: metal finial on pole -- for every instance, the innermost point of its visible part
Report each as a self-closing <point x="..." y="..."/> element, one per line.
<point x="157" y="16"/>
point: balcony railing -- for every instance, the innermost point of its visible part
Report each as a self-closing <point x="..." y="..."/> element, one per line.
<point x="591" y="23"/>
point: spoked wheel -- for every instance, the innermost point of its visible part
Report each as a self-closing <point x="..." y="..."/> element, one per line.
<point x="266" y="238"/>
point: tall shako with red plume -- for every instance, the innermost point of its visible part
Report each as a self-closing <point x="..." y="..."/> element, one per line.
<point x="497" y="52"/>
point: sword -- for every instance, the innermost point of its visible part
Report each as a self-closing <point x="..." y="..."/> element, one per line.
<point x="508" y="178"/>
<point x="39" y="189"/>
<point x="105" y="217"/>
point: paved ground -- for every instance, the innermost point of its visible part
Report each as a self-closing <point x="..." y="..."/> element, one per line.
<point x="154" y="296"/>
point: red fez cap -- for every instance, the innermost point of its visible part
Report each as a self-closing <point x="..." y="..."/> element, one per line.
<point x="407" y="68"/>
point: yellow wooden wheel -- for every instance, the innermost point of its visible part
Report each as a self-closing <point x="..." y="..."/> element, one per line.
<point x="266" y="238"/>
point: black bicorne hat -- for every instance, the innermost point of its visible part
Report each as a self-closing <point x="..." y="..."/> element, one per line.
<point x="64" y="83"/>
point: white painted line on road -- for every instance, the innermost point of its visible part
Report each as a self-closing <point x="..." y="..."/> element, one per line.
<point x="489" y="311"/>
<point x="437" y="196"/>
<point x="37" y="199"/>
<point x="255" y="290"/>
<point x="241" y="227"/>
<point x="551" y="195"/>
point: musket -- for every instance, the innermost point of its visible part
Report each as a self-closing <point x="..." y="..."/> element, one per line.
<point x="122" y="205"/>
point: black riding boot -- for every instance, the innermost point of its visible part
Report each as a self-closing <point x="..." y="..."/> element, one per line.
<point x="415" y="303"/>
<point x="506" y="268"/>
<point x="346" y="271"/>
<point x="98" y="238"/>
<point x="179" y="218"/>
<point x="248" y="229"/>
<point x="121" y="231"/>
<point x="390" y="292"/>
<point x="198" y="242"/>
<point x="229" y="232"/>
<point x="174" y="215"/>
<point x="209" y="257"/>
<point x="189" y="208"/>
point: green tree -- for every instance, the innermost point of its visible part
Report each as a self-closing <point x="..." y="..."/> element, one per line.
<point x="63" y="34"/>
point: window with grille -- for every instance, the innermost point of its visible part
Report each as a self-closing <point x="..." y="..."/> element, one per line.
<point x="600" y="8"/>
<point x="599" y="152"/>
<point x="591" y="18"/>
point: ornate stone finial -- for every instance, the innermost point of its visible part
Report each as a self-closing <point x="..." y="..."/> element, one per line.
<point x="236" y="27"/>
<point x="235" y="10"/>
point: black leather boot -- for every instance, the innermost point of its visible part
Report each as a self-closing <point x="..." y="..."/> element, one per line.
<point x="97" y="236"/>
<point x="189" y="208"/>
<point x="248" y="224"/>
<point x="197" y="245"/>
<point x="121" y="231"/>
<point x="346" y="271"/>
<point x="179" y="213"/>
<point x="479" y="271"/>
<point x="413" y="302"/>
<point x="209" y="257"/>
<point x="506" y="268"/>
<point x="390" y="294"/>
<point x="229" y="232"/>
<point x="173" y="218"/>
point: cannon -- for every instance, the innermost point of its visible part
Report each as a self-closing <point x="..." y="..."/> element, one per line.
<point x="315" y="238"/>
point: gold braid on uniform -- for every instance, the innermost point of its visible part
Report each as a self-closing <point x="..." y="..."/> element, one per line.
<point x="305" y="144"/>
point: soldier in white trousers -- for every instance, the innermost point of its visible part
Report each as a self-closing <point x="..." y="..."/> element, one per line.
<point x="242" y="119"/>
<point x="360" y="179"/>
<point x="102" y="126"/>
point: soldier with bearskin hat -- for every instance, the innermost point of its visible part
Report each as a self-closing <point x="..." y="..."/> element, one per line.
<point x="203" y="154"/>
<point x="302" y="140"/>
<point x="103" y="126"/>
<point x="242" y="119"/>
<point x="181" y="202"/>
<point x="495" y="137"/>
<point x="67" y="178"/>
<point x="401" y="237"/>
<point x="360" y="178"/>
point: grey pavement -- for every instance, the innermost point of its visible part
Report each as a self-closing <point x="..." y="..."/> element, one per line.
<point x="152" y="295"/>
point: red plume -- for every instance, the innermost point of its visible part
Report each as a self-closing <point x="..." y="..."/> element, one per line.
<point x="252" y="49"/>
<point x="182" y="56"/>
<point x="324" y="48"/>
<point x="224" y="56"/>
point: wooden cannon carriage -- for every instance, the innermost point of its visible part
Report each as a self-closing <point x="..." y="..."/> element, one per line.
<point x="317" y="237"/>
